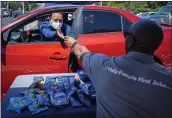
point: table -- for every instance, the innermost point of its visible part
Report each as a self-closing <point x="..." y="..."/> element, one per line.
<point x="22" y="82"/>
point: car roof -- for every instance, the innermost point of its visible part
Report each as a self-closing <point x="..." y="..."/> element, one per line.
<point x="46" y="8"/>
<point x="67" y="3"/>
<point x="57" y="6"/>
<point x="93" y="7"/>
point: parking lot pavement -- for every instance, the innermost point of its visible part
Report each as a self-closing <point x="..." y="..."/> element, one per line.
<point x="6" y="20"/>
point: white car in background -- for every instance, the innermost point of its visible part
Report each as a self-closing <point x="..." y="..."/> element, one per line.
<point x="4" y="12"/>
<point x="145" y="15"/>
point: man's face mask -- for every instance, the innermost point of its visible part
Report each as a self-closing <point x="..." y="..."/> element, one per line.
<point x="56" y="21"/>
<point x="56" y="25"/>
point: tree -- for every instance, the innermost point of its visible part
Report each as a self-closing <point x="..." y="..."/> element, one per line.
<point x="137" y="6"/>
<point x="156" y="5"/>
<point x="115" y="4"/>
<point x="14" y="5"/>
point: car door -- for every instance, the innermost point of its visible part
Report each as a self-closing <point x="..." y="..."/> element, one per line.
<point x="20" y="57"/>
<point x="103" y="32"/>
<point x="32" y="59"/>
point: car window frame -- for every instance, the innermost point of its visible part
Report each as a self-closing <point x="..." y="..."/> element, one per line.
<point x="121" y="17"/>
<point x="28" y="22"/>
<point x="7" y="33"/>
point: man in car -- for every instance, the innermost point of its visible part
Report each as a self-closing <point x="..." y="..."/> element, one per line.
<point x="134" y="85"/>
<point x="54" y="29"/>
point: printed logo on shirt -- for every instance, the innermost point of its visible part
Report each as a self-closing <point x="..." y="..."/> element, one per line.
<point x="137" y="79"/>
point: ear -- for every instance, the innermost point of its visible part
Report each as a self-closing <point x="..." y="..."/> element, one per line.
<point x="130" y="41"/>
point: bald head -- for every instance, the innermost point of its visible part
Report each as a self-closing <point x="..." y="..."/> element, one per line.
<point x="56" y="17"/>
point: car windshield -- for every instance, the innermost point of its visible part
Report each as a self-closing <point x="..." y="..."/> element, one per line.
<point x="164" y="10"/>
<point x="8" y="20"/>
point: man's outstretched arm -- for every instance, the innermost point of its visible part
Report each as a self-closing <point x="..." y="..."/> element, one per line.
<point x="93" y="64"/>
<point x="78" y="49"/>
<point x="46" y="31"/>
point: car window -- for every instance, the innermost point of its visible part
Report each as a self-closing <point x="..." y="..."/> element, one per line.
<point x="126" y="23"/>
<point x="20" y="16"/>
<point x="101" y="22"/>
<point x="30" y="31"/>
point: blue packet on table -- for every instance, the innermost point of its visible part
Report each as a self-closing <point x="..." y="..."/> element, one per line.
<point x="31" y="95"/>
<point x="17" y="104"/>
<point x="75" y="103"/>
<point x="35" y="108"/>
<point x="39" y="91"/>
<point x="70" y="91"/>
<point x="89" y="90"/>
<point x="84" y="99"/>
<point x="38" y="78"/>
<point x="59" y="99"/>
<point x="51" y="78"/>
<point x="25" y="93"/>
<point x="60" y="82"/>
<point x="37" y="82"/>
<point x="66" y="82"/>
<point x="85" y="88"/>
<point x="82" y="75"/>
<point x="30" y="92"/>
<point x="43" y="99"/>
<point x="50" y="85"/>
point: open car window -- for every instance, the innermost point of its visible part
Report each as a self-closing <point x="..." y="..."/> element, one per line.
<point x="20" y="16"/>
<point x="29" y="31"/>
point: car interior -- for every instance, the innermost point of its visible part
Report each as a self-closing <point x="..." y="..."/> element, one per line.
<point x="30" y="31"/>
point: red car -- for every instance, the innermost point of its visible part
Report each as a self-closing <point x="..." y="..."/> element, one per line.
<point x="99" y="28"/>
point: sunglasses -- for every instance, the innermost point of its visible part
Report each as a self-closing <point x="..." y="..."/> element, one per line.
<point x="134" y="40"/>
